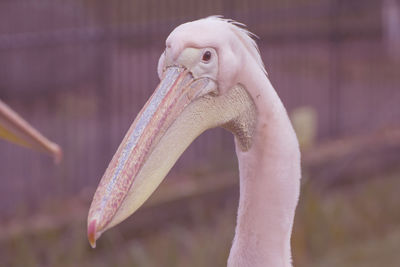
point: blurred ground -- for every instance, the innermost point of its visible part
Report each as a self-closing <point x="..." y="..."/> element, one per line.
<point x="357" y="226"/>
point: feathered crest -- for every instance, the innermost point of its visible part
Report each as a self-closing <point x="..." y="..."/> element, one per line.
<point x="246" y="37"/>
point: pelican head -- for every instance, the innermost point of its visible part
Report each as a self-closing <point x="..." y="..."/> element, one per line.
<point x="204" y="73"/>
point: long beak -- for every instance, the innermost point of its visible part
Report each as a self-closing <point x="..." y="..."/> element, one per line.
<point x="15" y="129"/>
<point x="160" y="133"/>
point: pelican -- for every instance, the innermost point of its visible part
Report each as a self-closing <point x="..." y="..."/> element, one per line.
<point x="15" y="129"/>
<point x="211" y="75"/>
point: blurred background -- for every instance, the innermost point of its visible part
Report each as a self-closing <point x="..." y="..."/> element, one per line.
<point x="80" y="70"/>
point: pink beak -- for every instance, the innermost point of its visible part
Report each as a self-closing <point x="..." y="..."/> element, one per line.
<point x="15" y="129"/>
<point x="176" y="90"/>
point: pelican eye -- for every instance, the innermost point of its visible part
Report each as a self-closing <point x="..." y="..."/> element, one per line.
<point x="206" y="56"/>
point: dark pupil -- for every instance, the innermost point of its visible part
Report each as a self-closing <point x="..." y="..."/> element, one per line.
<point x="207" y="56"/>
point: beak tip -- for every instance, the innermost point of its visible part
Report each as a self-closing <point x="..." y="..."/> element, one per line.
<point x="57" y="153"/>
<point x="92" y="233"/>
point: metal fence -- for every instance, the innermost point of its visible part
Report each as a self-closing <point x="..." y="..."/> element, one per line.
<point x="81" y="70"/>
